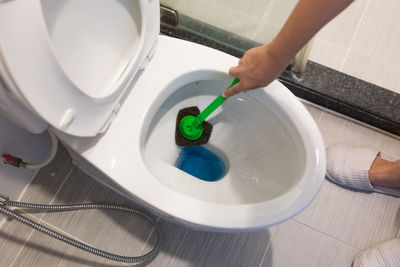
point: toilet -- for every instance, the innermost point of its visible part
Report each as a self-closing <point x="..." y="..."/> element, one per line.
<point x="98" y="74"/>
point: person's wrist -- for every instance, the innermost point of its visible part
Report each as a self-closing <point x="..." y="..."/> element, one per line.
<point x="277" y="55"/>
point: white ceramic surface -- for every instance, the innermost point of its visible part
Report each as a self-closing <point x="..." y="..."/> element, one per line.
<point x="275" y="151"/>
<point x="81" y="55"/>
<point x="262" y="157"/>
<point x="30" y="147"/>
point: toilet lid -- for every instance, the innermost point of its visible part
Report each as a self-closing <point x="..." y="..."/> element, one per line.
<point x="71" y="61"/>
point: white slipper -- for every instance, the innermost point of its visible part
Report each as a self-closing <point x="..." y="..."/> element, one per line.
<point x="348" y="165"/>
<point x="386" y="254"/>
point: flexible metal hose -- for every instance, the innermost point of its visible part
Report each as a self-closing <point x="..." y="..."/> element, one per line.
<point x="4" y="201"/>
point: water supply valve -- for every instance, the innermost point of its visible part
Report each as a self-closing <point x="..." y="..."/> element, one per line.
<point x="11" y="160"/>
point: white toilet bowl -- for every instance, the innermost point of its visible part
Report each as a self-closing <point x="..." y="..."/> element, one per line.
<point x="272" y="149"/>
<point x="123" y="135"/>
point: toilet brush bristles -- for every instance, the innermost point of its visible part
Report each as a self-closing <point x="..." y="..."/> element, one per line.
<point x="180" y="140"/>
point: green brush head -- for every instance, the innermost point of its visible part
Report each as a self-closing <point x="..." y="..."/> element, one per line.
<point x="182" y="140"/>
<point x="189" y="129"/>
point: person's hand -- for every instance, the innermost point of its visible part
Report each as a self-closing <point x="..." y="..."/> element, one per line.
<point x="257" y="68"/>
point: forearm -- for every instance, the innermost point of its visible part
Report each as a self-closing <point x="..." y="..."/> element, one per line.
<point x="307" y="18"/>
<point x="259" y="66"/>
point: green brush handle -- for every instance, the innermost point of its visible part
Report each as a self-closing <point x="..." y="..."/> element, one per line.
<point x="212" y="107"/>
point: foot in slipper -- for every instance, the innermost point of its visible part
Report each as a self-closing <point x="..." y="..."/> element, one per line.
<point x="362" y="168"/>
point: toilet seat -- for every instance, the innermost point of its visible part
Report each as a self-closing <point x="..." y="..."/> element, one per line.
<point x="72" y="62"/>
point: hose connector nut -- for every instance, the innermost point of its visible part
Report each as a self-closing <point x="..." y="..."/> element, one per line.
<point x="4" y="200"/>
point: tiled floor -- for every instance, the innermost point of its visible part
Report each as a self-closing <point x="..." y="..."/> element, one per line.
<point x="329" y="232"/>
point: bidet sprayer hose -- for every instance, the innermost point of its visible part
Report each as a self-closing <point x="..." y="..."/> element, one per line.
<point x="4" y="201"/>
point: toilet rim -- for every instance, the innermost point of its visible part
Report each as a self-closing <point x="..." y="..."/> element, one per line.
<point x="120" y="163"/>
<point x="242" y="216"/>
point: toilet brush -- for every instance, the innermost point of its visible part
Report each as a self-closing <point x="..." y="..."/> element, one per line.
<point x="191" y="128"/>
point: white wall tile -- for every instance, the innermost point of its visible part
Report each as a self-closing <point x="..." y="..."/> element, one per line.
<point x="340" y="30"/>
<point x="212" y="12"/>
<point x="361" y="65"/>
<point x="170" y="3"/>
<point x="379" y="32"/>
<point x="369" y="32"/>
<point x="258" y="20"/>
<point x="255" y="8"/>
<point x="328" y="54"/>
<point x="266" y="32"/>
<point x="279" y="11"/>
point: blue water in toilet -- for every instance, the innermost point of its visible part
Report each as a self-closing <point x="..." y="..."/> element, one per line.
<point x="201" y="163"/>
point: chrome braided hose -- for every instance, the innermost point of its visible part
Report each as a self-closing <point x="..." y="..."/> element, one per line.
<point x="4" y="202"/>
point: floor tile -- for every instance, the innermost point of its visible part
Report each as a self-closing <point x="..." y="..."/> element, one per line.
<point x="295" y="244"/>
<point x="329" y="232"/>
<point x="187" y="247"/>
<point x="42" y="250"/>
<point x="118" y="232"/>
<point x="370" y="218"/>
<point x="314" y="111"/>
<point x="356" y="218"/>
<point x="49" y="179"/>
<point x="13" y="236"/>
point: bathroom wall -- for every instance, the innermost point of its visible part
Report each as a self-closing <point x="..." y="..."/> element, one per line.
<point x="364" y="41"/>
<point x="30" y="147"/>
<point x="258" y="20"/>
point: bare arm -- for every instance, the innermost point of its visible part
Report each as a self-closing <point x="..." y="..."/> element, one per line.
<point x="261" y="65"/>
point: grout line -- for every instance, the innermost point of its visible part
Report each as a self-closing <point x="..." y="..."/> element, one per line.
<point x="2" y="221"/>
<point x="62" y="185"/>
<point x="262" y="20"/>
<point x="22" y="247"/>
<point x="60" y="242"/>
<point x="354" y="36"/>
<point x="269" y="245"/>
<point x="39" y="220"/>
<point x="21" y="195"/>
<point x="146" y="241"/>
<point x="326" y="234"/>
<point x="360" y="123"/>
<point x="26" y="187"/>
